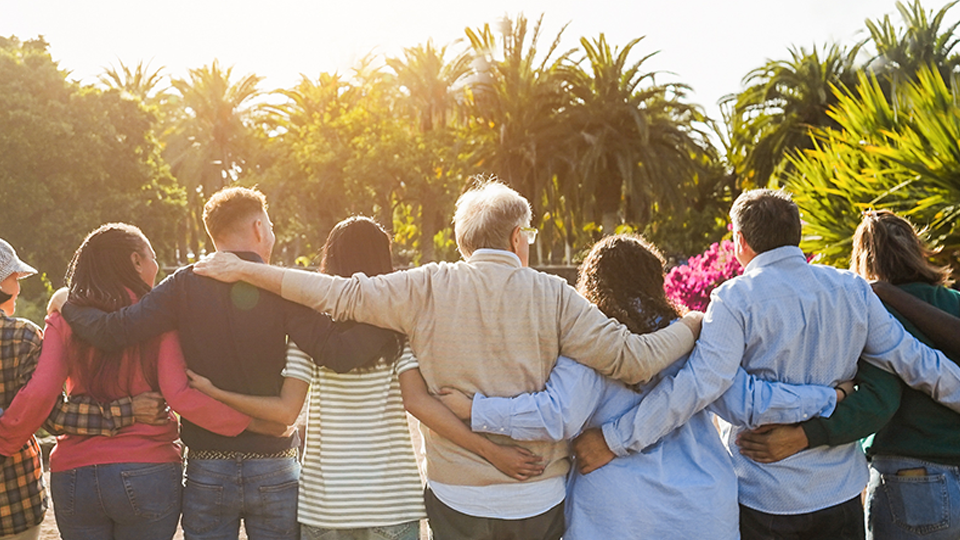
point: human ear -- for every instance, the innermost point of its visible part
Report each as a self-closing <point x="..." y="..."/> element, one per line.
<point x="136" y="259"/>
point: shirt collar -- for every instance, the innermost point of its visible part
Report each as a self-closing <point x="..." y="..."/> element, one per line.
<point x="769" y="258"/>
<point x="495" y="255"/>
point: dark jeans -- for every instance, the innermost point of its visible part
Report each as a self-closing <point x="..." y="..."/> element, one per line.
<point x="221" y="492"/>
<point x="841" y="522"/>
<point x="448" y="524"/>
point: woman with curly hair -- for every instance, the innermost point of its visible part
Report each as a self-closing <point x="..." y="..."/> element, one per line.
<point x="684" y="485"/>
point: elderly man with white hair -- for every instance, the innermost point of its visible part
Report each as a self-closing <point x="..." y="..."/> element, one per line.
<point x="487" y="324"/>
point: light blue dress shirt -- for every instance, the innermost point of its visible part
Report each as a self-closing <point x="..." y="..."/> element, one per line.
<point x="787" y="320"/>
<point x="682" y="487"/>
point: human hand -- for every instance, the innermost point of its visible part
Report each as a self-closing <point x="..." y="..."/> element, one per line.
<point x="694" y="321"/>
<point x="201" y="383"/>
<point x="772" y="442"/>
<point x="458" y="402"/>
<point x="221" y="266"/>
<point x="58" y="299"/>
<point x="844" y="390"/>
<point x="515" y="462"/>
<point x="150" y="408"/>
<point x="591" y="450"/>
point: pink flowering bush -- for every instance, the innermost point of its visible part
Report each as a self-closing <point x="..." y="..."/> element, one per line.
<point x="690" y="284"/>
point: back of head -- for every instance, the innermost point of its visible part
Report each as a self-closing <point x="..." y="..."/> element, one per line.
<point x="101" y="272"/>
<point x="357" y="244"/>
<point x="231" y="208"/>
<point x="102" y="275"/>
<point x="623" y="276"/>
<point x="487" y="215"/>
<point x="886" y="247"/>
<point x="767" y="218"/>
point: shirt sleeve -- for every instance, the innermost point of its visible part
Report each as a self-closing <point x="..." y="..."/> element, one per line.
<point x="557" y="413"/>
<point x="753" y="402"/>
<point x="35" y="400"/>
<point x="151" y="316"/>
<point x="893" y="349"/>
<point x="83" y="415"/>
<point x="339" y="346"/>
<point x="862" y="413"/>
<point x="609" y="347"/>
<point x="299" y="365"/>
<point x="407" y="360"/>
<point x="708" y="373"/>
<point x="193" y="404"/>
<point x="389" y="300"/>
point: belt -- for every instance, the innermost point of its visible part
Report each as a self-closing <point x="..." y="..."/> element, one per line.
<point x="219" y="454"/>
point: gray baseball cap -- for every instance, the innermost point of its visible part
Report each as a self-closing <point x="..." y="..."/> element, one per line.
<point x="11" y="264"/>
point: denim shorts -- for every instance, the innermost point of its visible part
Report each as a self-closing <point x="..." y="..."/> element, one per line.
<point x="136" y="501"/>
<point x="222" y="492"/>
<point x="924" y="504"/>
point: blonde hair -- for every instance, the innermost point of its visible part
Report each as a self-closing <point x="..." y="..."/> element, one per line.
<point x="487" y="215"/>
<point x="229" y="207"/>
<point x="887" y="247"/>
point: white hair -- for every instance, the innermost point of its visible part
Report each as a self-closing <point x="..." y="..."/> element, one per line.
<point x="487" y="215"/>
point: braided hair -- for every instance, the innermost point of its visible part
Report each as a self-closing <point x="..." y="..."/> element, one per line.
<point x="623" y="276"/>
<point x="102" y="275"/>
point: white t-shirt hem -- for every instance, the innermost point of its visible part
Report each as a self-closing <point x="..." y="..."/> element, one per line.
<point x="502" y="501"/>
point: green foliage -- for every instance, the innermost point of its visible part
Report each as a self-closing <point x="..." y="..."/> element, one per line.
<point x="898" y="152"/>
<point x="784" y="100"/>
<point x="72" y="158"/>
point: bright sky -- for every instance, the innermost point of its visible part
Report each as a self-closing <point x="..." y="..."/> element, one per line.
<point x="708" y="44"/>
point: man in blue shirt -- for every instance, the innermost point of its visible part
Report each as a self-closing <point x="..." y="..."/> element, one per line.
<point x="790" y="321"/>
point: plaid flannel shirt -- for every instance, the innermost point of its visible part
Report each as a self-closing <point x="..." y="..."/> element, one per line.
<point x="23" y="499"/>
<point x="22" y="495"/>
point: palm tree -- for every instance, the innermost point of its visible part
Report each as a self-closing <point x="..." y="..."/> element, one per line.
<point x="140" y="81"/>
<point x="782" y="102"/>
<point x="921" y="43"/>
<point x="432" y="83"/>
<point x="633" y="143"/>
<point x="209" y="143"/>
<point x="515" y="101"/>
<point x="434" y="94"/>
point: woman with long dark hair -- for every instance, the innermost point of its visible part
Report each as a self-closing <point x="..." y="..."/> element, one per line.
<point x="127" y="486"/>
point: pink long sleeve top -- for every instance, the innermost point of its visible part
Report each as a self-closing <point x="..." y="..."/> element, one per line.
<point x="139" y="443"/>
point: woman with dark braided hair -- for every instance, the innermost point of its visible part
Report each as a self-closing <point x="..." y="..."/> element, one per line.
<point x="683" y="486"/>
<point x="127" y="486"/>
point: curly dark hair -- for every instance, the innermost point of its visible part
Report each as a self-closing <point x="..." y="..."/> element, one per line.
<point x="623" y="276"/>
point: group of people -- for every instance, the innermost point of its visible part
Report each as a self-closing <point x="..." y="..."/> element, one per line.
<point x="546" y="411"/>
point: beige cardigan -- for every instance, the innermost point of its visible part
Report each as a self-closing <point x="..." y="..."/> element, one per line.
<point x="490" y="325"/>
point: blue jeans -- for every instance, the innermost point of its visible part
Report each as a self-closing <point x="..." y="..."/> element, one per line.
<point x="404" y="531"/>
<point x="221" y="492"/>
<point x="925" y="505"/>
<point x="139" y="501"/>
